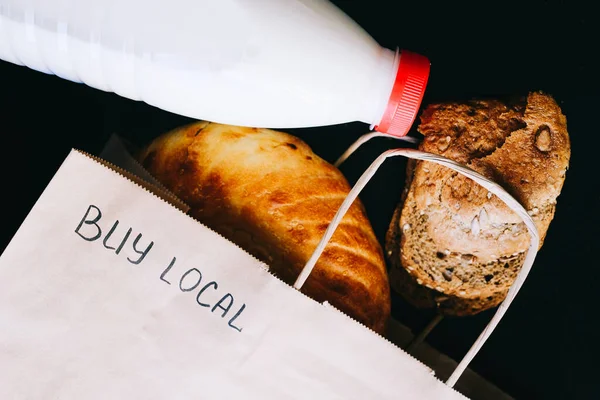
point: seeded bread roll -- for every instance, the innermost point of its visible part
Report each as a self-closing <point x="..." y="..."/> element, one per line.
<point x="269" y="193"/>
<point x="453" y="245"/>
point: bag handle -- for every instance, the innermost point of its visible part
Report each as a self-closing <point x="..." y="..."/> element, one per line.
<point x="491" y="186"/>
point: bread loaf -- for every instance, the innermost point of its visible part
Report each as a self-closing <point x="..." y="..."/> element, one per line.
<point x="269" y="193"/>
<point x="453" y="245"/>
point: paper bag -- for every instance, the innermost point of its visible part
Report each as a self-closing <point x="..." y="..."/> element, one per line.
<point x="109" y="292"/>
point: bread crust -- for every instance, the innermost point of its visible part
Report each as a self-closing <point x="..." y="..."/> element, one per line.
<point x="453" y="245"/>
<point x="269" y="193"/>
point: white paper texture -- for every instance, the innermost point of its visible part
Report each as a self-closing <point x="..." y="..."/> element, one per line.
<point x="79" y="319"/>
<point x="116" y="152"/>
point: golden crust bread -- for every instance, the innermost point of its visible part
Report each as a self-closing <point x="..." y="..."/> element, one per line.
<point x="453" y="245"/>
<point x="269" y="193"/>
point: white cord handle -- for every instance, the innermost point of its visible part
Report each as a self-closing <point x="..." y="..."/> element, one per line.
<point x="365" y="138"/>
<point x="478" y="178"/>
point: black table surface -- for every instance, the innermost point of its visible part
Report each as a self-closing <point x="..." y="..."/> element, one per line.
<point x="546" y="346"/>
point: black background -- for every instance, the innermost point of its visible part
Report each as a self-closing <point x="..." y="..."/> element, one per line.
<point x="546" y="345"/>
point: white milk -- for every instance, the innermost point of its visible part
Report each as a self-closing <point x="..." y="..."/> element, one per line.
<point x="264" y="63"/>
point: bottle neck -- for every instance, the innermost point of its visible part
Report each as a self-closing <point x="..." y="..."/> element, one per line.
<point x="384" y="78"/>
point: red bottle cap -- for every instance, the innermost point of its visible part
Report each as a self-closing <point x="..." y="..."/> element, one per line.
<point x="407" y="93"/>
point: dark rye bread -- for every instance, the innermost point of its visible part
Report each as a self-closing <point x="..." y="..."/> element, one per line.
<point x="453" y="245"/>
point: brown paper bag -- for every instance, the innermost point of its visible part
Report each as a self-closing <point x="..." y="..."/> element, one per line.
<point x="110" y="292"/>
